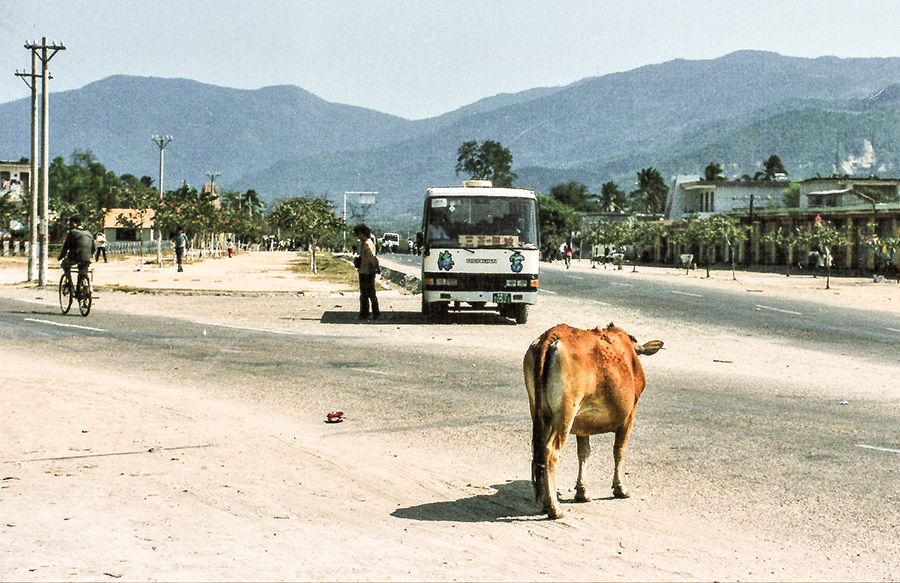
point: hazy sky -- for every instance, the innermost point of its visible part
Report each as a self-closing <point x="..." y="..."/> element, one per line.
<point x="419" y="58"/>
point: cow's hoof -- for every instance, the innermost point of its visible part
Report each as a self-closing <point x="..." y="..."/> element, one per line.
<point x="621" y="492"/>
<point x="554" y="512"/>
<point x="582" y="494"/>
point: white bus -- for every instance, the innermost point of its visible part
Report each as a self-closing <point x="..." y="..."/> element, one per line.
<point x="480" y="250"/>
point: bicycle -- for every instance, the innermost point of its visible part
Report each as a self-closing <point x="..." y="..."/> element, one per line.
<point x="81" y="292"/>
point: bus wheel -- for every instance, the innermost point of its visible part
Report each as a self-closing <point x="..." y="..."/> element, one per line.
<point x="521" y="313"/>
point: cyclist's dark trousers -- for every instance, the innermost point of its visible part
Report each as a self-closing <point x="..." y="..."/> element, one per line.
<point x="179" y="255"/>
<point x="68" y="263"/>
<point x="101" y="251"/>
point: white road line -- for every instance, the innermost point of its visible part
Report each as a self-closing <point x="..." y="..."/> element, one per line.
<point x="368" y="370"/>
<point x="247" y="328"/>
<point x="875" y="447"/>
<point x="575" y="277"/>
<point x="687" y="294"/>
<point x="892" y="329"/>
<point x="777" y="310"/>
<point x="547" y="291"/>
<point x="623" y="284"/>
<point x="599" y="302"/>
<point x="62" y="325"/>
<point x="41" y="302"/>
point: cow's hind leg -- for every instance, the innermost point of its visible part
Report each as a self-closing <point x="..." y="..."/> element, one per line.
<point x="584" y="452"/>
<point x="622" y="434"/>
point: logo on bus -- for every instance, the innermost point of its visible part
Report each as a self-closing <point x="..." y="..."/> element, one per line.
<point x="516" y="260"/>
<point x="445" y="261"/>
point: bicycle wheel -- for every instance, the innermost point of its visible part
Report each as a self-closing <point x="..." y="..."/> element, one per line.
<point x="84" y="295"/>
<point x="65" y="293"/>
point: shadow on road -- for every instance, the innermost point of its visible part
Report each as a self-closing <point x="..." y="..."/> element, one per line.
<point x="408" y="318"/>
<point x="508" y="502"/>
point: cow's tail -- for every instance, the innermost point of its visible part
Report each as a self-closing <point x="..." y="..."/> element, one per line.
<point x="542" y="354"/>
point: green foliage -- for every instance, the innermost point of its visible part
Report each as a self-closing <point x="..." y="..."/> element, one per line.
<point x="84" y="188"/>
<point x="488" y="161"/>
<point x="306" y="217"/>
<point x="310" y="219"/>
<point x="713" y="173"/>
<point x="612" y="199"/>
<point x="651" y="193"/>
<point x="575" y="195"/>
<point x="556" y="221"/>
<point x="791" y="195"/>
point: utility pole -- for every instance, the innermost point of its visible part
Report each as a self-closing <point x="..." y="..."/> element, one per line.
<point x="31" y="80"/>
<point x="46" y="53"/>
<point x="162" y="142"/>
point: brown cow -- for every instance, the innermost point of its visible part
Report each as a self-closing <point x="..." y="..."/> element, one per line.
<point x="582" y="382"/>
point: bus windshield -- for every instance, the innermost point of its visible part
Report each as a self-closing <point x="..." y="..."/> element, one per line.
<point x="481" y="221"/>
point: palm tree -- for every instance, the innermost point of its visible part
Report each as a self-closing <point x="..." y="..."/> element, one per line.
<point x="651" y="193"/>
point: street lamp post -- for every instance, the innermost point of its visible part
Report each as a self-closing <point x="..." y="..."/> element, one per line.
<point x="162" y="142"/>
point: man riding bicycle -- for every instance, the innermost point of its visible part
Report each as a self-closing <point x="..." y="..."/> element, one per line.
<point x="78" y="249"/>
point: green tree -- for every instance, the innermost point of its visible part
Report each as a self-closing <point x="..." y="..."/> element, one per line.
<point x="651" y="193"/>
<point x="714" y="173"/>
<point x="575" y="195"/>
<point x="823" y="236"/>
<point x="487" y="161"/>
<point x="611" y="234"/>
<point x="308" y="218"/>
<point x="785" y="238"/>
<point x="612" y="199"/>
<point x="791" y="195"/>
<point x="771" y="167"/>
<point x="556" y="221"/>
<point x="84" y="188"/>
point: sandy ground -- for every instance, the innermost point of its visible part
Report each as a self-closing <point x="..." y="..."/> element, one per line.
<point x="217" y="496"/>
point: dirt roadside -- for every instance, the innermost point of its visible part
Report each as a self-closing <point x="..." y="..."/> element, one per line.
<point x="109" y="477"/>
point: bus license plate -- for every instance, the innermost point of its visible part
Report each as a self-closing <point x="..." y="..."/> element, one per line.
<point x="502" y="298"/>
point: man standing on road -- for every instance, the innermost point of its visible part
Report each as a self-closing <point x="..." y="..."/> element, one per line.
<point x="78" y="249"/>
<point x="368" y="267"/>
<point x="178" y="243"/>
<point x="100" y="239"/>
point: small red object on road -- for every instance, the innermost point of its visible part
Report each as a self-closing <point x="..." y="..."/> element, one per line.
<point x="335" y="417"/>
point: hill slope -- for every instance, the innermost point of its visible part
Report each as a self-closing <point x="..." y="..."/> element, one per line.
<point x="816" y="114"/>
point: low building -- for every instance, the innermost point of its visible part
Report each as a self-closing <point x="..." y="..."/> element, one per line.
<point x="692" y="195"/>
<point x="848" y="191"/>
<point x="131" y="225"/>
<point x="15" y="178"/>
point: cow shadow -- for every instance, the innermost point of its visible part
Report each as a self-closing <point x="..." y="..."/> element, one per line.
<point x="507" y="502"/>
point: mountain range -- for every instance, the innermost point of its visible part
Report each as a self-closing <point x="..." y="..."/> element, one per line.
<point x="820" y="116"/>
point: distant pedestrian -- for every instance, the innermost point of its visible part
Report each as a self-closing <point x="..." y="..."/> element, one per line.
<point x="567" y="249"/>
<point x="368" y="268"/>
<point x="100" y="242"/>
<point x="230" y="248"/>
<point x="179" y="241"/>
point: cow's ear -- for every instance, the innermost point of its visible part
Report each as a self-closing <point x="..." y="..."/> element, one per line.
<point x="648" y="348"/>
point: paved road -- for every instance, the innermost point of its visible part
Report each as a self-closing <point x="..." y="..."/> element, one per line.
<point x="861" y="332"/>
<point x="782" y="460"/>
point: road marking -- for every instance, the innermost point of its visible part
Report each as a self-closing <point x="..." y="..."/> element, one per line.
<point x="41" y="302"/>
<point x="892" y="329"/>
<point x="368" y="370"/>
<point x="547" y="291"/>
<point x="247" y="328"/>
<point x="62" y="325"/>
<point x="777" y="310"/>
<point x="599" y="302"/>
<point x="687" y="294"/>
<point x="623" y="284"/>
<point x="575" y="277"/>
<point x="875" y="447"/>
